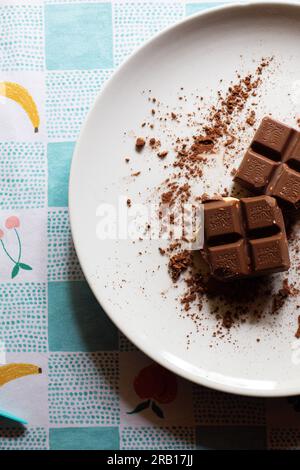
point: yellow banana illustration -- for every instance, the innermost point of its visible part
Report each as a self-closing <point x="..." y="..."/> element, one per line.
<point x="18" y="93"/>
<point x="9" y="372"/>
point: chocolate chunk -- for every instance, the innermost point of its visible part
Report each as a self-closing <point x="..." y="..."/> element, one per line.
<point x="163" y="154"/>
<point x="272" y="163"/>
<point x="140" y="143"/>
<point x="245" y="238"/>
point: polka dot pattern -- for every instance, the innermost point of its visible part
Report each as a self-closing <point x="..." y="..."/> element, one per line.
<point x="83" y="389"/>
<point x="135" y="23"/>
<point x="23" y="317"/>
<point x="216" y="408"/>
<point x="23" y="175"/>
<point x="125" y="345"/>
<point x="23" y="439"/>
<point x="52" y="2"/>
<point x="21" y="37"/>
<point x="284" y="439"/>
<point x="69" y="97"/>
<point x="158" y="438"/>
<point x="63" y="264"/>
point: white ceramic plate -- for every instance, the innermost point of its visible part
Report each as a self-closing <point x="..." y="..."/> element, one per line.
<point x="194" y="54"/>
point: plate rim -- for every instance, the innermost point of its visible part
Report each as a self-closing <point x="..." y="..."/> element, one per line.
<point x="281" y="391"/>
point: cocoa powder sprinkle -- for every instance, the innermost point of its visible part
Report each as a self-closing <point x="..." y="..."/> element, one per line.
<point x="179" y="263"/>
<point x="217" y="127"/>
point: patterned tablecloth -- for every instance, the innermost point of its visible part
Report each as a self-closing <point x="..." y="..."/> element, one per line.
<point x="62" y="52"/>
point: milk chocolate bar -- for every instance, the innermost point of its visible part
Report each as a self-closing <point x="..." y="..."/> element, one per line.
<point x="244" y="237"/>
<point x="271" y="165"/>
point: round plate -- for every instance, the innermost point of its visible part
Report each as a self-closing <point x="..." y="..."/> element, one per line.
<point x="195" y="54"/>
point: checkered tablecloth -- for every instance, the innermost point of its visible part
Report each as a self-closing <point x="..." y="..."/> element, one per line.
<point x="62" y="52"/>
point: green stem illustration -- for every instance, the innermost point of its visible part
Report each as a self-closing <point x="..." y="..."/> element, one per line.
<point x="5" y="250"/>
<point x="20" y="246"/>
<point x="18" y="265"/>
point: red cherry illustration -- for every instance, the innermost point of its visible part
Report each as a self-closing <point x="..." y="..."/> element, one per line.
<point x="12" y="222"/>
<point x="155" y="384"/>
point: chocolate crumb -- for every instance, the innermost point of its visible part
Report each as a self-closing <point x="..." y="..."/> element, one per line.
<point x="229" y="141"/>
<point x="297" y="334"/>
<point x="179" y="263"/>
<point x="280" y="297"/>
<point x="162" y="154"/>
<point x="166" y="198"/>
<point x="227" y="320"/>
<point x="140" y="143"/>
<point x="251" y="118"/>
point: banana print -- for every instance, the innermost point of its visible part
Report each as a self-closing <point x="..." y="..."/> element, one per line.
<point x="18" y="93"/>
<point x="9" y="372"/>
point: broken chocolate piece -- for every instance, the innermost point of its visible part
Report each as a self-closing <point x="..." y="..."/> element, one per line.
<point x="245" y="238"/>
<point x="272" y="163"/>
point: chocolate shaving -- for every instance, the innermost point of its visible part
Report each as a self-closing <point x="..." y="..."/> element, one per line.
<point x="162" y="154"/>
<point x="297" y="334"/>
<point x="179" y="263"/>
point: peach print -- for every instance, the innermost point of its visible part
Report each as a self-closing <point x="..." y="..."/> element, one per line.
<point x="13" y="223"/>
<point x="155" y="385"/>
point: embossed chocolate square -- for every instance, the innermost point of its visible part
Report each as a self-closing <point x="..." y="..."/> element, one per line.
<point x="271" y="165"/>
<point x="245" y="237"/>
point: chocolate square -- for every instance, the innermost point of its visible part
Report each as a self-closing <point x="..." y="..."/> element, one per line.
<point x="271" y="138"/>
<point x="223" y="220"/>
<point x="255" y="171"/>
<point x="262" y="215"/>
<point x="230" y="260"/>
<point x="269" y="254"/>
<point x="272" y="163"/>
<point x="285" y="186"/>
<point x="248" y="239"/>
<point x="293" y="158"/>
